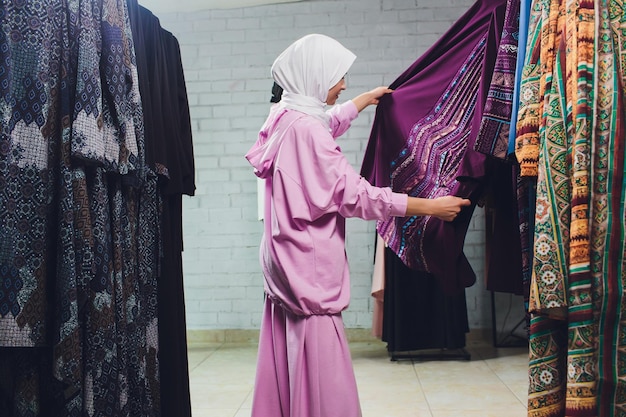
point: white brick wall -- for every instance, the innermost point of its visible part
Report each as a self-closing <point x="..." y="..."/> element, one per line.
<point x="227" y="55"/>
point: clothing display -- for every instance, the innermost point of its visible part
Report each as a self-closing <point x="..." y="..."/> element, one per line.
<point x="81" y="216"/>
<point x="493" y="134"/>
<point x="520" y="107"/>
<point x="169" y="152"/>
<point x="422" y="143"/>
<point x="570" y="144"/>
<point x="426" y="150"/>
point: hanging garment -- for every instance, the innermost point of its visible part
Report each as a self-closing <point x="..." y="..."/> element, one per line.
<point x="169" y="153"/>
<point x="504" y="270"/>
<point x="503" y="244"/>
<point x="410" y="296"/>
<point x="423" y="137"/>
<point x="403" y="297"/>
<point x="522" y="41"/>
<point x="571" y="138"/>
<point x="607" y="212"/>
<point x="82" y="321"/>
<point x="493" y="136"/>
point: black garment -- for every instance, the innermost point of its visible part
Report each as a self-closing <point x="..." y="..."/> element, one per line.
<point x="503" y="245"/>
<point x="169" y="151"/>
<point x="175" y="397"/>
<point x="417" y="314"/>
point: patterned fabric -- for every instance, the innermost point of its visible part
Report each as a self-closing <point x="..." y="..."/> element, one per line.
<point x="547" y="367"/>
<point x="524" y="17"/>
<point x="106" y="105"/>
<point x="536" y="78"/>
<point x="582" y="334"/>
<point x="428" y="165"/>
<point x="607" y="207"/>
<point x="526" y="186"/>
<point x="79" y="214"/>
<point x="427" y="150"/>
<point x="578" y="276"/>
<point x="30" y="119"/>
<point x="493" y="136"/>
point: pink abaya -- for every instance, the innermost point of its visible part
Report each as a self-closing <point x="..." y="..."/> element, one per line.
<point x="304" y="364"/>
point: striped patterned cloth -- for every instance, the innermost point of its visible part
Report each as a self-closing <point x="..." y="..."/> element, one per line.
<point x="570" y="138"/>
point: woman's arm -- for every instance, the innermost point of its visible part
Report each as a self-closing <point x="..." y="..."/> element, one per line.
<point x="446" y="208"/>
<point x="371" y="97"/>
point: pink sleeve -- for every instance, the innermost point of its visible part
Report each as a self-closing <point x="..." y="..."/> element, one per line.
<point x="330" y="184"/>
<point x="341" y="116"/>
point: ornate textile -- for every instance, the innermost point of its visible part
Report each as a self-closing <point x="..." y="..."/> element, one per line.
<point x="423" y="137"/>
<point x="522" y="40"/>
<point x="79" y="214"/>
<point x="493" y="136"/>
<point x="580" y="72"/>
<point x="106" y="108"/>
<point x="536" y="78"/>
<point x="433" y="153"/>
<point x="578" y="273"/>
<point x="547" y="367"/>
<point x="30" y="70"/>
<point x="607" y="207"/>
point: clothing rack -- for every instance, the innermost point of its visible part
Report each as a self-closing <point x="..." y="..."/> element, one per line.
<point x="431" y="354"/>
<point x="510" y="339"/>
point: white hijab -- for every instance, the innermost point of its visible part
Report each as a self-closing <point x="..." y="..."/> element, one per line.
<point x="307" y="69"/>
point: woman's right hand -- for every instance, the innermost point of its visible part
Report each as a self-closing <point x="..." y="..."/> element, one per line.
<point x="445" y="208"/>
<point x="448" y="207"/>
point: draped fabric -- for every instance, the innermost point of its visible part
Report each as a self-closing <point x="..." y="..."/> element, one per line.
<point x="80" y="216"/>
<point x="422" y="142"/>
<point x="169" y="153"/>
<point x="493" y="136"/>
<point x="570" y="143"/>
<point x="607" y="211"/>
<point x="411" y="295"/>
<point x="429" y="139"/>
<point x="424" y="134"/>
<point x="504" y="270"/>
<point x="522" y="40"/>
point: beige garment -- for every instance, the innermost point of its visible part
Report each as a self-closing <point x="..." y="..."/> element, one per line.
<point x="378" y="287"/>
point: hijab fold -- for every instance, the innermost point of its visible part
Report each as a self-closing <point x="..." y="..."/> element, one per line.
<point x="307" y="69"/>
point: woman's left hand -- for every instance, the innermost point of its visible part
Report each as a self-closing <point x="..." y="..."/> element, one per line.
<point x="377" y="93"/>
<point x="370" y="97"/>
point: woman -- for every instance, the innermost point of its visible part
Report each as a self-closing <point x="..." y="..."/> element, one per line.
<point x="304" y="366"/>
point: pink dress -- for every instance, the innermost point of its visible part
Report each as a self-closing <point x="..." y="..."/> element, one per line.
<point x="304" y="366"/>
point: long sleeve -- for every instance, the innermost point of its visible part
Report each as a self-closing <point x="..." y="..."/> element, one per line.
<point x="312" y="165"/>
<point x="341" y="116"/>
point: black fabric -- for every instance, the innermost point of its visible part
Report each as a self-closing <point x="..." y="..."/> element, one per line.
<point x="503" y="240"/>
<point x="417" y="314"/>
<point x="169" y="151"/>
<point x="27" y="385"/>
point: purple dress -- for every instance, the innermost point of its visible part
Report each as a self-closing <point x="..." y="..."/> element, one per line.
<point x="422" y="142"/>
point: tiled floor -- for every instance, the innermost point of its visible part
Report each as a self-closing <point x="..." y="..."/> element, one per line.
<point x="493" y="383"/>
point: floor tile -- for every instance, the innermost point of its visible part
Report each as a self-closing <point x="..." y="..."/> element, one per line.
<point x="493" y="383"/>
